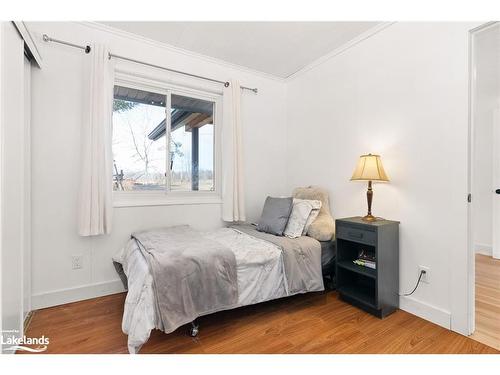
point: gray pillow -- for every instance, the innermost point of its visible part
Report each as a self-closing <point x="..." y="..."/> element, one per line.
<point x="275" y="215"/>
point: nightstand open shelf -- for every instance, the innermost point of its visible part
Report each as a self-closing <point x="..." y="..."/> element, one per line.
<point x="374" y="290"/>
<point x="350" y="266"/>
<point x="363" y="295"/>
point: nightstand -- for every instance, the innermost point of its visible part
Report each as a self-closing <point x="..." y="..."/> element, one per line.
<point x="373" y="290"/>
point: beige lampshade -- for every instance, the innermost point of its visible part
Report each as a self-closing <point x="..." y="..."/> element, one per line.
<point x="369" y="168"/>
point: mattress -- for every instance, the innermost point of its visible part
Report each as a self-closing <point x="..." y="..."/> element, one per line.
<point x="259" y="270"/>
<point x="328" y="256"/>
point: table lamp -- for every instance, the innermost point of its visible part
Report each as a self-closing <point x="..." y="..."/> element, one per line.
<point x="369" y="168"/>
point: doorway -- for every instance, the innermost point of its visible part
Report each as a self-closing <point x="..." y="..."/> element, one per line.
<point x="484" y="230"/>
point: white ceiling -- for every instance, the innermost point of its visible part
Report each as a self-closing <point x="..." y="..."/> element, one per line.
<point x="277" y="48"/>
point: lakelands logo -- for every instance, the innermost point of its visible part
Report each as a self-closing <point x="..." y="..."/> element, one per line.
<point x="11" y="341"/>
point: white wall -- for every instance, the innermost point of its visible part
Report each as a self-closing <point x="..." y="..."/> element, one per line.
<point x="486" y="99"/>
<point x="402" y="93"/>
<point x="14" y="205"/>
<point x="57" y="113"/>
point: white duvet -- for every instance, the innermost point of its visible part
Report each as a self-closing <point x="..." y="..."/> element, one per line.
<point x="260" y="272"/>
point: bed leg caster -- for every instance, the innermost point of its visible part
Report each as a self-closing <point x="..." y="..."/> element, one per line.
<point x="195" y="328"/>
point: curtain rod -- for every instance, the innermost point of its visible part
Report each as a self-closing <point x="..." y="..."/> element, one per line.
<point x="87" y="50"/>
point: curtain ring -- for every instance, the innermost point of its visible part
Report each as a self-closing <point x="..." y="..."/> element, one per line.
<point x="226" y="84"/>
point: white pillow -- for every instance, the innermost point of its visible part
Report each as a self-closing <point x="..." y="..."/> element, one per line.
<point x="313" y="215"/>
<point x="301" y="211"/>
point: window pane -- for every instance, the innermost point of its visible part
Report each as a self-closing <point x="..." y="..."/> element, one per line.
<point x="192" y="144"/>
<point x="139" y="140"/>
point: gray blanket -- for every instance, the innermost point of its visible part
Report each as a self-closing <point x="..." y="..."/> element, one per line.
<point x="192" y="275"/>
<point x="301" y="257"/>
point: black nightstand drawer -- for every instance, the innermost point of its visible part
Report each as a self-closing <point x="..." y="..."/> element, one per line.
<point x="356" y="234"/>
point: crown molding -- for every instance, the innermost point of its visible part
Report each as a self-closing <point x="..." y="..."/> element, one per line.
<point x="171" y="48"/>
<point x="483" y="26"/>
<point x="346" y="46"/>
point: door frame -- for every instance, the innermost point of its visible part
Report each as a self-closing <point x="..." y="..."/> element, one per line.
<point x="471" y="266"/>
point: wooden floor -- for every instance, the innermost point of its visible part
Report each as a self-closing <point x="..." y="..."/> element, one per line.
<point x="487" y="301"/>
<point x="311" y="323"/>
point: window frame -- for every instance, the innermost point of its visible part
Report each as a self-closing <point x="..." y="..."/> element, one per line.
<point x="167" y="196"/>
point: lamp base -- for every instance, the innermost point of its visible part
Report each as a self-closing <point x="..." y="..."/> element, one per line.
<point x="369" y="217"/>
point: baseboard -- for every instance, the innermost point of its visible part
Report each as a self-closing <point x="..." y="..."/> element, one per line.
<point x="62" y="296"/>
<point x="480" y="248"/>
<point x="59" y="297"/>
<point x="425" y="311"/>
<point x="27" y="321"/>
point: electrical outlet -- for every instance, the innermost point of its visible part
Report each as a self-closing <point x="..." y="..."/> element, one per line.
<point x="76" y="262"/>
<point x="426" y="277"/>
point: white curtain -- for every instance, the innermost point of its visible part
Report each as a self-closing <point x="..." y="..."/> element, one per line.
<point x="233" y="197"/>
<point x="95" y="205"/>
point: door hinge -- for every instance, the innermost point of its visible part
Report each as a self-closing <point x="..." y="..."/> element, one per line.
<point x="469" y="197"/>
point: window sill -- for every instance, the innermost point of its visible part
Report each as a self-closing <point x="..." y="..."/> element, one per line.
<point x="123" y="200"/>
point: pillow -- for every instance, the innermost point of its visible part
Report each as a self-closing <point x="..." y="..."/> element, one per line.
<point x="323" y="227"/>
<point x="301" y="211"/>
<point x="316" y="205"/>
<point x="275" y="215"/>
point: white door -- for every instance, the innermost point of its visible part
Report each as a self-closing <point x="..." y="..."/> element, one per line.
<point x="495" y="189"/>
<point x="485" y="111"/>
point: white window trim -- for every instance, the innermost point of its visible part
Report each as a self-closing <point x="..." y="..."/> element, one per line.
<point x="142" y="199"/>
<point x="168" y="197"/>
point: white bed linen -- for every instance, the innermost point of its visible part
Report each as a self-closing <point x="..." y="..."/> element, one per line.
<point x="260" y="274"/>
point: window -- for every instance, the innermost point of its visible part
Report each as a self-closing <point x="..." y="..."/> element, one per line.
<point x="163" y="141"/>
<point x="138" y="153"/>
<point x="192" y="141"/>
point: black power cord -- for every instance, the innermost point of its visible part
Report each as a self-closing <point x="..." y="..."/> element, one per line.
<point x="422" y="273"/>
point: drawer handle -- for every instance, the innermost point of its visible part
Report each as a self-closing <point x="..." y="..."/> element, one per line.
<point x="355" y="234"/>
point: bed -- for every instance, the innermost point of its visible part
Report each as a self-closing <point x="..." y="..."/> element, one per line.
<point x="264" y="271"/>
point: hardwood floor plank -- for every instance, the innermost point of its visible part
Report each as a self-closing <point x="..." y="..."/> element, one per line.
<point x="487" y="301"/>
<point x="309" y="323"/>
